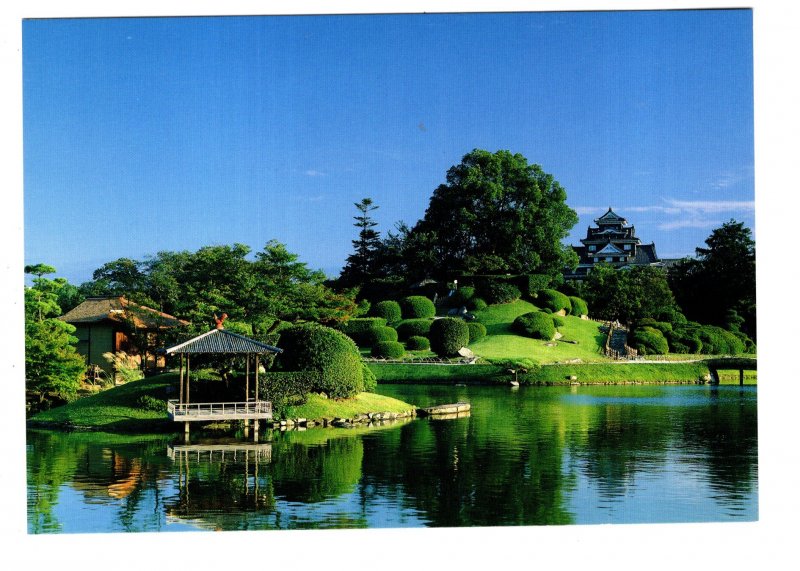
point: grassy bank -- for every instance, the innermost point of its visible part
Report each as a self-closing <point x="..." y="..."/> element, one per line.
<point x="123" y="408"/>
<point x="589" y="373"/>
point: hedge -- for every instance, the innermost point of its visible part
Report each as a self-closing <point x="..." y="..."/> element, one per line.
<point x="359" y="329"/>
<point x="388" y="350"/>
<point x="553" y="300"/>
<point x="536" y="324"/>
<point x="662" y="326"/>
<point x="535" y="283"/>
<point x="418" y="343"/>
<point x="579" y="306"/>
<point x="329" y="353"/>
<point x="417" y="307"/>
<point x="476" y="331"/>
<point x="284" y="388"/>
<point x="380" y="334"/>
<point x="500" y="292"/>
<point x="462" y="296"/>
<point x="410" y="327"/>
<point x="388" y="310"/>
<point x="448" y="335"/>
<point x="559" y="321"/>
<point x="477" y="304"/>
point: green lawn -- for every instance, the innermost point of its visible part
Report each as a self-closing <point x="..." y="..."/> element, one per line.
<point x="317" y="407"/>
<point x="502" y="343"/>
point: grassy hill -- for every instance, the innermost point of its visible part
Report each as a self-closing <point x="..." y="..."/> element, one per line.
<point x="582" y="339"/>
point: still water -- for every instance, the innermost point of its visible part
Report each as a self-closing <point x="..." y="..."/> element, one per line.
<point x="526" y="456"/>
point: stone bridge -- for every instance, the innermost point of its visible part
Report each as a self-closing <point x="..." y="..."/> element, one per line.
<point x="741" y="364"/>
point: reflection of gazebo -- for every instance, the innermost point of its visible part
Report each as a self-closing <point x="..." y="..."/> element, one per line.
<point x="220" y="342"/>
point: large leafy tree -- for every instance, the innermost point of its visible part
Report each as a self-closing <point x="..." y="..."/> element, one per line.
<point x="496" y="214"/>
<point x="628" y="295"/>
<point x="719" y="285"/>
<point x="53" y="369"/>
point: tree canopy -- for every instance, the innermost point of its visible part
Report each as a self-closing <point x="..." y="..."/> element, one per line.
<point x="495" y="214"/>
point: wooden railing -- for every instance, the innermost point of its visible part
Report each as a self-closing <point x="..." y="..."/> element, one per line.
<point x="184" y="411"/>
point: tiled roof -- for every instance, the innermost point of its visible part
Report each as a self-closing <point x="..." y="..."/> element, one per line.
<point x="119" y="309"/>
<point x="222" y="341"/>
<point x="610" y="249"/>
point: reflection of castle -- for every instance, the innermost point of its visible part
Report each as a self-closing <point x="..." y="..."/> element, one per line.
<point x="615" y="243"/>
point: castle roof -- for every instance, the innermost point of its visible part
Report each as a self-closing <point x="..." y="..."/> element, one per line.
<point x="610" y="217"/>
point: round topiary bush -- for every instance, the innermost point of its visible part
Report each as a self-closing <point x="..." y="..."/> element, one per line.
<point x="553" y="300"/>
<point x="380" y="334"/>
<point x="388" y="350"/>
<point x="476" y="331"/>
<point x="649" y="341"/>
<point x="388" y="310"/>
<point x="370" y="381"/>
<point x="501" y="292"/>
<point x="448" y="335"/>
<point x="536" y="324"/>
<point x="559" y="321"/>
<point x="359" y="329"/>
<point x="328" y="353"/>
<point x="410" y="327"/>
<point x="418" y="343"/>
<point x="417" y="307"/>
<point x="477" y="304"/>
<point x="579" y="306"/>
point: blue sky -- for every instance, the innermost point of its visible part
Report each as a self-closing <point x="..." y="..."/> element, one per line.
<point x="143" y="135"/>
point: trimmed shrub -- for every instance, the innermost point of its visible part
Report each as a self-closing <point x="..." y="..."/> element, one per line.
<point x="536" y="324"/>
<point x="500" y="292"/>
<point x="146" y="402"/>
<point x="559" y="321"/>
<point x="476" y="331"/>
<point x="579" y="306"/>
<point x="359" y="329"/>
<point x="284" y="388"/>
<point x="662" y="326"/>
<point x="553" y="300"/>
<point x="370" y="381"/>
<point x="718" y="341"/>
<point x="410" y="327"/>
<point x="684" y="340"/>
<point x="388" y="350"/>
<point x="418" y="343"/>
<point x="535" y="283"/>
<point x="448" y="335"/>
<point x="417" y="307"/>
<point x="462" y="296"/>
<point x="329" y="353"/>
<point x="477" y="304"/>
<point x="380" y="334"/>
<point x="388" y="310"/>
<point x="649" y="341"/>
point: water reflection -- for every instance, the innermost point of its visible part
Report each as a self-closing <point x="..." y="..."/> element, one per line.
<point x="525" y="457"/>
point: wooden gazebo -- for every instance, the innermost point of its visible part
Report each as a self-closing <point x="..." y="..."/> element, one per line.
<point x="220" y="342"/>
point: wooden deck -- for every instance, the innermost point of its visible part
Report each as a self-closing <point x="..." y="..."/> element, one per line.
<point x="211" y="411"/>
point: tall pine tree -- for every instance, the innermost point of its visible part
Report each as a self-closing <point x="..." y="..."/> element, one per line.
<point x="360" y="264"/>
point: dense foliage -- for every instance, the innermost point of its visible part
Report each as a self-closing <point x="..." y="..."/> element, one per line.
<point x="327" y="352"/>
<point x="360" y="329"/>
<point x="628" y="295"/>
<point x="448" y="336"/>
<point x="536" y="324"/>
<point x="500" y="292"/>
<point x="380" y="334"/>
<point x="417" y="307"/>
<point x="649" y="341"/>
<point x="286" y="388"/>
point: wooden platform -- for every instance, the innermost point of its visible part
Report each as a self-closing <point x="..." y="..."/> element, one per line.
<point x="196" y="412"/>
<point x="221" y="452"/>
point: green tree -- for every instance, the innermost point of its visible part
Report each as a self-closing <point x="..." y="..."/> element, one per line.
<point x="721" y="279"/>
<point x="360" y="264"/>
<point x="496" y="214"/>
<point x="53" y="369"/>
<point x="628" y="295"/>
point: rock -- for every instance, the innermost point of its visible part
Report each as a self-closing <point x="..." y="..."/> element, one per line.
<point x="572" y="377"/>
<point x="323" y="395"/>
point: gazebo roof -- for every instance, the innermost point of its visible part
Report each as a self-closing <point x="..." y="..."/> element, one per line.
<point x="221" y="341"/>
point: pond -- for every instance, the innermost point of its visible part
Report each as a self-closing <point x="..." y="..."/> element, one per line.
<point x="524" y="456"/>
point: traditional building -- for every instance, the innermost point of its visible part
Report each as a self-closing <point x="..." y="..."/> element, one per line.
<point x="111" y="324"/>
<point x="615" y="243"/>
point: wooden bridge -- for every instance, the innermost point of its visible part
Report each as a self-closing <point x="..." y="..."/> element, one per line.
<point x="741" y="364"/>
